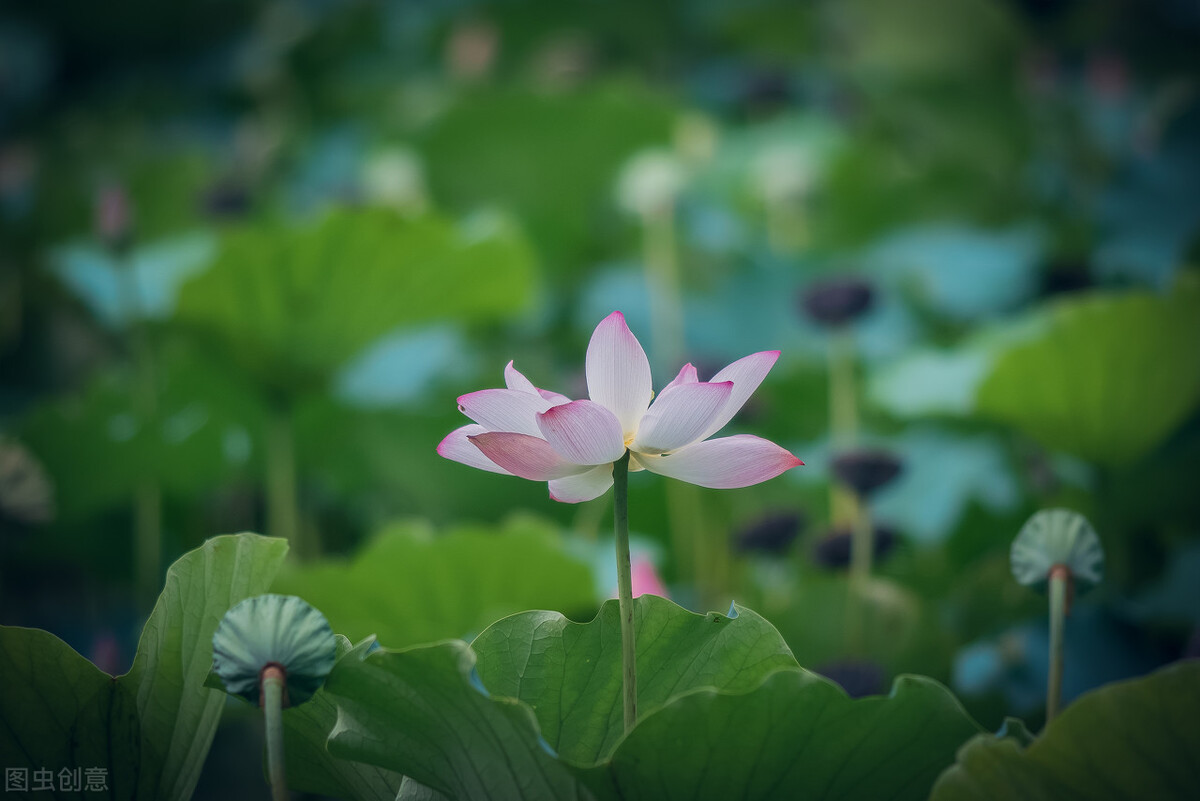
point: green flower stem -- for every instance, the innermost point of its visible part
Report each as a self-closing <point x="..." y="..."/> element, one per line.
<point x="147" y="498"/>
<point x="843" y="406"/>
<point x="662" y="280"/>
<point x="862" y="551"/>
<point x="625" y="587"/>
<point x="273" y="681"/>
<point x="843" y="415"/>
<point x="283" y="513"/>
<point x="147" y="513"/>
<point x="862" y="546"/>
<point x="1060" y="590"/>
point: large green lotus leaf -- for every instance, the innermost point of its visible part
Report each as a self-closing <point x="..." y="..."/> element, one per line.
<point x="58" y="711"/>
<point x="410" y="585"/>
<point x="424" y="712"/>
<point x="421" y="712"/>
<point x="178" y="713"/>
<point x="151" y="728"/>
<point x="99" y="446"/>
<point x="293" y="303"/>
<point x="561" y="154"/>
<point x="1132" y="739"/>
<point x="310" y="766"/>
<point x="1111" y="377"/>
<point x="570" y="673"/>
<point x="795" y="736"/>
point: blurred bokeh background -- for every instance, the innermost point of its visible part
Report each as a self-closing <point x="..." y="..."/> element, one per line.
<point x="253" y="251"/>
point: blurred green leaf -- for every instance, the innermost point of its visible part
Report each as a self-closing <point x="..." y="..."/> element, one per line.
<point x="1109" y="379"/>
<point x="152" y="727"/>
<point x="795" y="736"/>
<point x="561" y="153"/>
<point x="291" y="304"/>
<point x="1133" y="739"/>
<point x="99" y="445"/>
<point x="410" y="585"/>
<point x="570" y="673"/>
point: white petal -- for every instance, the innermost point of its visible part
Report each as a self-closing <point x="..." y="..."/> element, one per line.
<point x="687" y="375"/>
<point x="618" y="373"/>
<point x="525" y="456"/>
<point x="584" y="486"/>
<point x="504" y="409"/>
<point x="725" y="463"/>
<point x="679" y="415"/>
<point x="457" y="447"/>
<point x="746" y="374"/>
<point x="514" y="379"/>
<point x="583" y="432"/>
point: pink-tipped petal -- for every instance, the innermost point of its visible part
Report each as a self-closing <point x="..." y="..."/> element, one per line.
<point x="583" y="432"/>
<point x="679" y="415"/>
<point x="459" y="448"/>
<point x="725" y="463"/>
<point x="515" y="379"/>
<point x="525" y="456"/>
<point x="687" y="375"/>
<point x="618" y="373"/>
<point x="584" y="486"/>
<point x="505" y="409"/>
<point x="746" y="374"/>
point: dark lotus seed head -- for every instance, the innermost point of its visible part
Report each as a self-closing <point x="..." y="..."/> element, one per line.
<point x="858" y="678"/>
<point x="866" y="471"/>
<point x="770" y="534"/>
<point x="837" y="301"/>
<point x="833" y="551"/>
<point x="225" y="201"/>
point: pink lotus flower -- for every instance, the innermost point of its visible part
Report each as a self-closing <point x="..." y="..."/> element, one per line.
<point x="543" y="436"/>
<point x="646" y="580"/>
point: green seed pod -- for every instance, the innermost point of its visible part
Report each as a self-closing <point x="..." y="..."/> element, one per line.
<point x="1057" y="537"/>
<point x="273" y="629"/>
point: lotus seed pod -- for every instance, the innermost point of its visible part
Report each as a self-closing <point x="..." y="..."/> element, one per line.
<point x="833" y="550"/>
<point x="273" y="629"/>
<point x="1057" y="537"/>
<point x="866" y="471"/>
<point x="837" y="301"/>
<point x="770" y="534"/>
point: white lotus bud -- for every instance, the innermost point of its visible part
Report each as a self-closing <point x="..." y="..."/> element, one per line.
<point x="784" y="173"/>
<point x="649" y="183"/>
<point x="395" y="177"/>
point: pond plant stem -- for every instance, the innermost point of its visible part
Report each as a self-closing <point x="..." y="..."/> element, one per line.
<point x="625" y="588"/>
<point x="271" y="692"/>
<point x="283" y="514"/>
<point x="843" y="415"/>
<point x="1060" y="600"/>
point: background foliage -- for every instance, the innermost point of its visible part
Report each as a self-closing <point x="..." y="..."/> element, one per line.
<point x="252" y="251"/>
